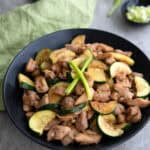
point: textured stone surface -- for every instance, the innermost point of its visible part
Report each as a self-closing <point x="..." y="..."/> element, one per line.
<point x="12" y="139"/>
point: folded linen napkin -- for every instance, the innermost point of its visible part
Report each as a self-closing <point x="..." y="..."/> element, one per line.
<point x="26" y="23"/>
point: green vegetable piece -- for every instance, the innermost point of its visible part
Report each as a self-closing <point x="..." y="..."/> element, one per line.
<point x="69" y="77"/>
<point x="49" y="107"/>
<point x="138" y="14"/>
<point x="83" y="79"/>
<point x="114" y="7"/>
<point x="53" y="81"/>
<point x="72" y="85"/>
<point x="73" y="110"/>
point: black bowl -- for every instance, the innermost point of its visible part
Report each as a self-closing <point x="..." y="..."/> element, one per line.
<point x="12" y="93"/>
<point x="129" y="3"/>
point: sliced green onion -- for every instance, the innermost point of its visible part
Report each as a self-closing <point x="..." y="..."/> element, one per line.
<point x="72" y="85"/>
<point x="83" y="79"/>
<point x="115" y="5"/>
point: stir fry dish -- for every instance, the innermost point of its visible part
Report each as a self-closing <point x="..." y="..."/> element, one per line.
<point x="81" y="92"/>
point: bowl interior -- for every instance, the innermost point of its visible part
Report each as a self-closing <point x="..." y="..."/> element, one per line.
<point x="12" y="93"/>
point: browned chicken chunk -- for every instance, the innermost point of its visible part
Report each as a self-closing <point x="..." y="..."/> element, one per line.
<point x="79" y="89"/>
<point x="31" y="65"/>
<point x="67" y="103"/>
<point x="102" y="93"/>
<point x="51" y="124"/>
<point x="44" y="100"/>
<point x="82" y="121"/>
<point x="123" y="91"/>
<point x="133" y="114"/>
<point x="60" y="90"/>
<point x="31" y="98"/>
<point x="138" y="102"/>
<point x="78" y="49"/>
<point x="49" y="74"/>
<point x="88" y="137"/>
<point x="58" y="132"/>
<point x="127" y="53"/>
<point x="41" y="84"/>
<point x="68" y="139"/>
<point x="119" y="109"/>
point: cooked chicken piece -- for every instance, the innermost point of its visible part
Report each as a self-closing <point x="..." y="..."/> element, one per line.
<point x="102" y="93"/>
<point x="29" y="114"/>
<point x="124" y="82"/>
<point x="123" y="91"/>
<point x="67" y="103"/>
<point x="68" y="117"/>
<point x="78" y="49"/>
<point x="63" y="73"/>
<point x="27" y="108"/>
<point x="79" y="89"/>
<point x="105" y="47"/>
<point x="31" y="98"/>
<point x="115" y="96"/>
<point x="60" y="69"/>
<point x="119" y="109"/>
<point x="82" y="121"/>
<point x="68" y="139"/>
<point x="133" y="114"/>
<point x="90" y="114"/>
<point x="44" y="100"/>
<point x="49" y="74"/>
<point x="121" y="118"/>
<point x="142" y="103"/>
<point x="127" y="53"/>
<point x="137" y="74"/>
<point x="103" y="56"/>
<point x="41" y="84"/>
<point x="110" y="60"/>
<point x="83" y="98"/>
<point x="56" y="68"/>
<point x="31" y="65"/>
<point x="88" y="137"/>
<point x="93" y="46"/>
<point x="36" y="72"/>
<point x="58" y="132"/>
<point x="51" y="124"/>
<point x="60" y="90"/>
<point x="121" y="76"/>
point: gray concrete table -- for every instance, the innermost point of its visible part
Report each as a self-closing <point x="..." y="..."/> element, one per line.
<point x="12" y="139"/>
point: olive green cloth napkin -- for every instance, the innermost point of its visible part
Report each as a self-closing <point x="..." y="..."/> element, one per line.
<point x="26" y="23"/>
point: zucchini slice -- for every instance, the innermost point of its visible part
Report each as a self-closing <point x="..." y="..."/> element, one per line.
<point x="119" y="67"/>
<point x="98" y="64"/>
<point x="25" y="82"/>
<point x="62" y="54"/>
<point x="79" y="60"/>
<point x="43" y="56"/>
<point x="49" y="107"/>
<point x="45" y="65"/>
<point x="123" y="58"/>
<point x="104" y="108"/>
<point x="98" y="75"/>
<point x="73" y="110"/>
<point x="40" y="119"/>
<point x="55" y="98"/>
<point x="142" y="87"/>
<point x="125" y="126"/>
<point x="53" y="81"/>
<point x="106" y="125"/>
<point x="69" y="77"/>
<point x="80" y="39"/>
